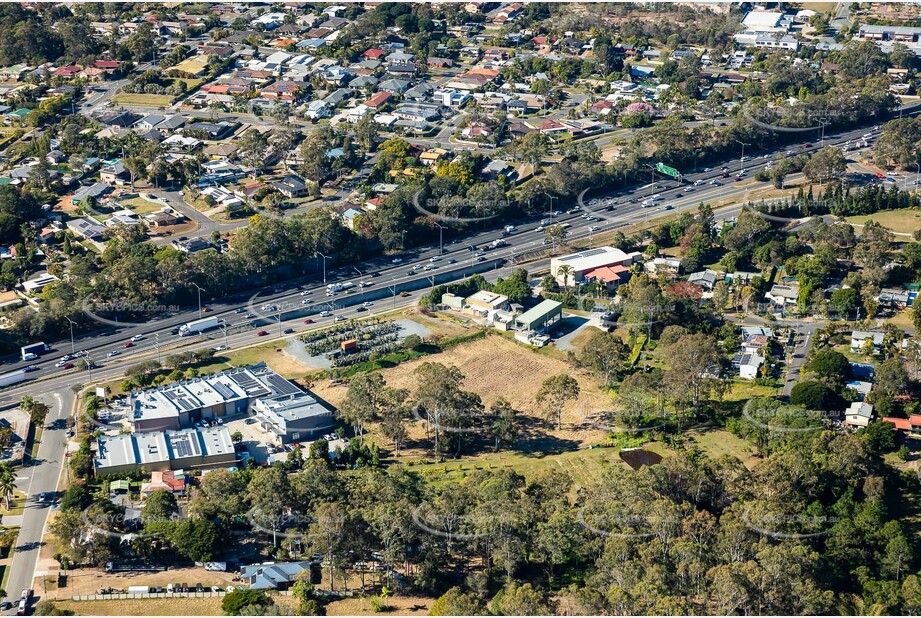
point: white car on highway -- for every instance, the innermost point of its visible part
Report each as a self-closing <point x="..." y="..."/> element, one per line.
<point x="137" y="338"/>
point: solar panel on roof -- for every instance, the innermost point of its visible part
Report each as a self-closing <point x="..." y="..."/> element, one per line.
<point x="224" y="391"/>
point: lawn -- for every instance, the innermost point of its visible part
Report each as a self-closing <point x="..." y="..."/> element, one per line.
<point x="17" y="505"/>
<point x="140" y="206"/>
<point x="743" y="389"/>
<point x="142" y="100"/>
<point x="584" y="466"/>
<point x="902" y="221"/>
<point x="272" y="353"/>
<point x="718" y="442"/>
<point x="210" y="606"/>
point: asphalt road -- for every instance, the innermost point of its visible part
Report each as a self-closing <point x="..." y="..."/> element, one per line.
<point x="34" y="478"/>
<point x="527" y="238"/>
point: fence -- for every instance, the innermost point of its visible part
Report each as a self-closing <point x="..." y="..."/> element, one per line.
<point x="147" y="595"/>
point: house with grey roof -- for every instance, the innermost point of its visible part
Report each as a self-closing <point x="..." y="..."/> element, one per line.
<point x="272" y="575"/>
<point x="94" y="191"/>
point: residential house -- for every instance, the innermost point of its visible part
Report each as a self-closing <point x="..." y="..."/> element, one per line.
<point x="38" y="283"/>
<point x="114" y="172"/>
<point x="86" y="228"/>
<point x="783" y="295"/>
<point x="94" y="191"/>
<point x="748" y="364"/>
<point x="705" y="279"/>
<point x="859" y="414"/>
<point x="272" y="575"/>
<point x="860" y="337"/>
<point x="290" y="186"/>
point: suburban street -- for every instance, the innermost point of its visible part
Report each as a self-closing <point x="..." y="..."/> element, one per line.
<point x="34" y="478"/>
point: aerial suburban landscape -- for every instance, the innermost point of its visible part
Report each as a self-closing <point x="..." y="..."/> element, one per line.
<point x="460" y="308"/>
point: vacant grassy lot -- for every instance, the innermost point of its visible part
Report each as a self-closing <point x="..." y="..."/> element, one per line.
<point x="144" y="607"/>
<point x="495" y="367"/>
<point x="272" y="353"/>
<point x="718" y="442"/>
<point x="140" y="206"/>
<point x="142" y="100"/>
<point x="583" y="466"/>
<point x="903" y="220"/>
<point x="402" y="606"/>
<point x="743" y="389"/>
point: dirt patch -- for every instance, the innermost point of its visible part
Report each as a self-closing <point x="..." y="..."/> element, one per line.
<point x="636" y="458"/>
<point x="495" y="367"/>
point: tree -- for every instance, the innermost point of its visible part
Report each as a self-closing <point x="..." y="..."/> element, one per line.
<point x="845" y="301"/>
<point x="7" y="484"/>
<point x="519" y="600"/>
<point x="269" y="494"/>
<point x="831" y="367"/>
<point x="363" y="400"/>
<point x="891" y="378"/>
<point x="233" y="602"/>
<point x="695" y="364"/>
<point x="826" y="164"/>
<point x="605" y="353"/>
<point x="159" y="508"/>
<point x="553" y="394"/>
<point x="813" y="395"/>
<point x="196" y="539"/>
<point x="252" y="149"/>
<point x="141" y="43"/>
<point x="565" y="271"/>
<point x="456" y="603"/>
<point x="503" y="424"/>
<point x="532" y="148"/>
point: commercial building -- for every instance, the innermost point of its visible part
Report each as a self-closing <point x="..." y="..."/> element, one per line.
<point x="586" y="261"/>
<point x="487" y="303"/>
<point x="539" y="318"/>
<point x="293" y="417"/>
<point x="164" y="450"/>
<point x="182" y="404"/>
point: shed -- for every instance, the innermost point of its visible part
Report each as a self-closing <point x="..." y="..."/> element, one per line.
<point x="538" y="318"/>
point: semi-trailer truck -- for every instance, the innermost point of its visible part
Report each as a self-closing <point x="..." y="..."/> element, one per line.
<point x="198" y="326"/>
<point x="13" y="377"/>
<point x="338" y="287"/>
<point x="33" y="350"/>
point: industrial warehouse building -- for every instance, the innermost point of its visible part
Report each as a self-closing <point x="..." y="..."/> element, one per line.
<point x="293" y="417"/>
<point x="585" y="262"/>
<point x="164" y="450"/>
<point x="182" y="404"/>
<point x="540" y="317"/>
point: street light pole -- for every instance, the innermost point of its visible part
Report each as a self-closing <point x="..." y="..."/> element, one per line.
<point x="441" y="249"/>
<point x="361" y="278"/>
<point x="742" y="156"/>
<point x="324" y="264"/>
<point x="73" y="350"/>
<point x="393" y="290"/>
<point x="199" y="298"/>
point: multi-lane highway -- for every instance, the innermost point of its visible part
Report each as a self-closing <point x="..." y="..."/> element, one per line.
<point x="387" y="279"/>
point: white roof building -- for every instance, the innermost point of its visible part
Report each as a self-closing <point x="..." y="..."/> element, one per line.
<point x="763" y="21"/>
<point x="585" y="261"/>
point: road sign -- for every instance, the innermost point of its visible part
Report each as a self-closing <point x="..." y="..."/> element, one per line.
<point x="668" y="171"/>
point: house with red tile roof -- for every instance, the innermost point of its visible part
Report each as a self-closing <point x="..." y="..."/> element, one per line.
<point x="378" y="99"/>
<point x="374" y="54"/>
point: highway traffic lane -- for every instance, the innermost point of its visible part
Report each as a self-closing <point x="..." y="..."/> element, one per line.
<point x="485" y="236"/>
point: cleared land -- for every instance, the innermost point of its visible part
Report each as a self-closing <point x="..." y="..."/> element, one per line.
<point x="140" y="206"/>
<point x="144" y="607"/>
<point x="900" y="221"/>
<point x="142" y="100"/>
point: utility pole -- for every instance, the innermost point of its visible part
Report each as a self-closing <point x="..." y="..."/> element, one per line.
<point x="361" y="278"/>
<point x="550" y="211"/>
<point x="157" y="344"/>
<point x="393" y="290"/>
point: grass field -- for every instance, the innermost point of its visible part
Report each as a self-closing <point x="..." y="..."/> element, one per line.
<point x="584" y="466"/>
<point x="418" y="606"/>
<point x="17" y="505"/>
<point x="718" y="442"/>
<point x="144" y="607"/>
<point x="140" y="206"/>
<point x="142" y="100"/>
<point x="495" y="367"/>
<point x="901" y="221"/>
<point x="743" y="389"/>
